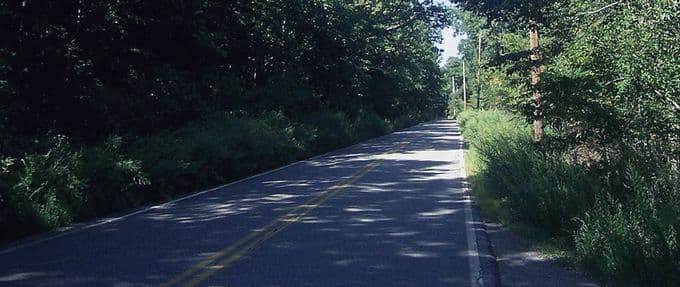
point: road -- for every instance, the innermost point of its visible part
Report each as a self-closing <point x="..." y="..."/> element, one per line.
<point x="391" y="211"/>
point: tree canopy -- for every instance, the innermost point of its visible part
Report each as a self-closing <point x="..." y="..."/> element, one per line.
<point x="106" y="105"/>
<point x="90" y="68"/>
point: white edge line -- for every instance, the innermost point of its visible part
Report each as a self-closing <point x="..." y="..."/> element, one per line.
<point x="473" y="251"/>
<point x="75" y="229"/>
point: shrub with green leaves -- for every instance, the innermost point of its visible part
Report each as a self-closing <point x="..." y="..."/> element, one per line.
<point x="369" y="124"/>
<point x="215" y="149"/>
<point x="114" y="178"/>
<point x="60" y="183"/>
<point x="55" y="186"/>
<point x="635" y="239"/>
<point x="539" y="187"/>
<point x="623" y="225"/>
<point x="52" y="182"/>
<point x="329" y="131"/>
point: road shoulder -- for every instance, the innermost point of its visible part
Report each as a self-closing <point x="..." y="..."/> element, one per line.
<point x="489" y="271"/>
<point x="519" y="264"/>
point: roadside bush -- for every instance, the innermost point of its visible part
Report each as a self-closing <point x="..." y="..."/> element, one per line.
<point x="52" y="182"/>
<point x="59" y="183"/>
<point x="17" y="215"/>
<point x="368" y="125"/>
<point x="218" y="148"/>
<point x="329" y="131"/>
<point x="539" y="188"/>
<point x="114" y="179"/>
<point x="634" y="239"/>
<point x="62" y="184"/>
<point x="623" y="226"/>
<point x="406" y="120"/>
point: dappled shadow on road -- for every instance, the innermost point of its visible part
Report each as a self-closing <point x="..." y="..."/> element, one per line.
<point x="402" y="224"/>
<point x="407" y="231"/>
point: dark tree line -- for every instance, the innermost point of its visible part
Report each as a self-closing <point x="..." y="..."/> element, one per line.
<point x="90" y="68"/>
<point x="106" y="105"/>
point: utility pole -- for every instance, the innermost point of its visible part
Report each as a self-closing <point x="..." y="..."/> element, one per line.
<point x="464" y="90"/>
<point x="535" y="79"/>
<point x="453" y="94"/>
<point x="479" y="67"/>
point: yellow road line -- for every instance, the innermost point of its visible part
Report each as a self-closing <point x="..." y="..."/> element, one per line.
<point x="203" y="263"/>
<point x="224" y="263"/>
<point x="267" y="231"/>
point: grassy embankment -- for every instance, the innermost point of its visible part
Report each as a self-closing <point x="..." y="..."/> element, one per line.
<point x="619" y="225"/>
<point x="59" y="183"/>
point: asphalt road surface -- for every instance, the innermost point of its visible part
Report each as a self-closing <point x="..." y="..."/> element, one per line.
<point x="391" y="211"/>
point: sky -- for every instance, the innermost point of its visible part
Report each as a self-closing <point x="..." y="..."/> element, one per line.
<point x="449" y="45"/>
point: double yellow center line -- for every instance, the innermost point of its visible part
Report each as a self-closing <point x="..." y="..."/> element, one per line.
<point x="223" y="258"/>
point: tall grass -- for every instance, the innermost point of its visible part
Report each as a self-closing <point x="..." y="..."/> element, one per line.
<point x="539" y="187"/>
<point x="622" y="228"/>
<point x="634" y="237"/>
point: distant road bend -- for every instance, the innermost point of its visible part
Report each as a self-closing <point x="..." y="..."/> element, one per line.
<point x="391" y="211"/>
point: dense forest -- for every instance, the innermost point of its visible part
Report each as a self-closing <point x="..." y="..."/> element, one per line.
<point x="107" y="105"/>
<point x="579" y="145"/>
<point x="571" y="108"/>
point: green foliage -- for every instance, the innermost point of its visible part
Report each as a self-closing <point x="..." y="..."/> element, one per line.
<point x="368" y="125"/>
<point x="252" y="85"/>
<point x="610" y="72"/>
<point x="622" y="226"/>
<point x="120" y="66"/>
<point x="51" y="188"/>
<point x="60" y="184"/>
<point x="405" y="120"/>
<point x="113" y="178"/>
<point x="516" y="12"/>
<point x="539" y="188"/>
<point x="329" y="130"/>
<point x="634" y="239"/>
<point x="503" y="81"/>
<point x="610" y="91"/>
<point x="218" y="148"/>
<point x="617" y="84"/>
<point x="52" y="182"/>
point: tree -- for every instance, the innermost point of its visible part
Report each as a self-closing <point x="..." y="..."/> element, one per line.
<point x="479" y="68"/>
<point x="535" y="79"/>
<point x="518" y="13"/>
<point x="139" y="68"/>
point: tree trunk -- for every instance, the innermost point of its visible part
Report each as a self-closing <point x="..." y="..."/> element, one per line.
<point x="479" y="67"/>
<point x="464" y="89"/>
<point x="535" y="79"/>
<point x="453" y="93"/>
